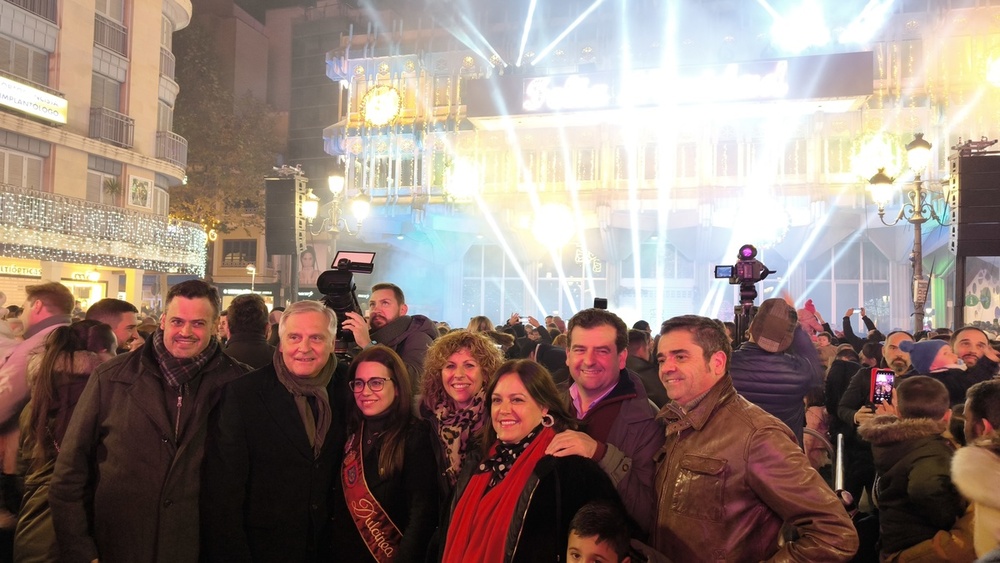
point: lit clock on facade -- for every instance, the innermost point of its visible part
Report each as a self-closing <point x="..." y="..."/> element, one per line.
<point x="381" y="105"/>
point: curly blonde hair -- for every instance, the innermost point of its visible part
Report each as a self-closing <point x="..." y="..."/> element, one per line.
<point x="479" y="346"/>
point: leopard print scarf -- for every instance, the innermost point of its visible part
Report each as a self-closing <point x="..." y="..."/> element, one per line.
<point x="455" y="426"/>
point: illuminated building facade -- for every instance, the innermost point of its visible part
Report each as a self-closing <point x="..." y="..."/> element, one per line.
<point x="627" y="157"/>
<point x="87" y="155"/>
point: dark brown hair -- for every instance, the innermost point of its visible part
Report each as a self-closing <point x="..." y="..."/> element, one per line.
<point x="61" y="347"/>
<point x="593" y="318"/>
<point x="390" y="459"/>
<point x="542" y="388"/>
<point x="195" y="289"/>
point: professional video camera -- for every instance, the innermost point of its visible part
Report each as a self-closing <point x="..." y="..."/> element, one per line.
<point x="340" y="293"/>
<point x="746" y="272"/>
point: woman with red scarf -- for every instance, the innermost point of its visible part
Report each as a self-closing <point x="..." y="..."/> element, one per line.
<point x="516" y="503"/>
<point x="389" y="508"/>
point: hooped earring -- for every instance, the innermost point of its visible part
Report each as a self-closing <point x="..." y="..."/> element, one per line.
<point x="548" y="420"/>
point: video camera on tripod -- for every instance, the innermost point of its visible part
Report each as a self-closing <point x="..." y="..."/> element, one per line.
<point x="746" y="272"/>
<point x="341" y="294"/>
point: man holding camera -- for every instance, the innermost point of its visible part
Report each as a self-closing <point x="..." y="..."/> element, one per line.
<point x="389" y="325"/>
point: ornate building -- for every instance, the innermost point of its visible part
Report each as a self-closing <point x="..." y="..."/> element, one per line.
<point x="532" y="171"/>
<point x="87" y="155"/>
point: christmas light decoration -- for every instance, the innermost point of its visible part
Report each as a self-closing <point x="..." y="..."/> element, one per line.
<point x="41" y="226"/>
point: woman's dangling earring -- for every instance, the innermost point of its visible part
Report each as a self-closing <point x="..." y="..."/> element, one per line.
<point x="548" y="420"/>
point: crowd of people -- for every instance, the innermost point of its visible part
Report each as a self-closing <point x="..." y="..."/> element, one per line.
<point x="239" y="435"/>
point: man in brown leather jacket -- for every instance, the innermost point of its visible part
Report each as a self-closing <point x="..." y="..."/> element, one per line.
<point x="729" y="474"/>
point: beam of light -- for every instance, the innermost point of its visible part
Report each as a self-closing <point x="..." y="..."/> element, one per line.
<point x="769" y="9"/>
<point x="548" y="49"/>
<point x="527" y="30"/>
<point x="801" y="28"/>
<point x="844" y="247"/>
<point x="474" y="30"/>
<point x="512" y="257"/>
<point x="869" y="21"/>
<point x="666" y="137"/>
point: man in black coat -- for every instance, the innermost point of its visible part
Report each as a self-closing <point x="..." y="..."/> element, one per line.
<point x="248" y="328"/>
<point x="855" y="409"/>
<point x="275" y="447"/>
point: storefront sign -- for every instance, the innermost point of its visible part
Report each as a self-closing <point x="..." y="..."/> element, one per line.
<point x="32" y="101"/>
<point x="761" y="81"/>
<point x="20" y="271"/>
<point x="243" y="290"/>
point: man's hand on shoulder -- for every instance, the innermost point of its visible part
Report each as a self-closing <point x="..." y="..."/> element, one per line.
<point x="571" y="442"/>
<point x="358" y="327"/>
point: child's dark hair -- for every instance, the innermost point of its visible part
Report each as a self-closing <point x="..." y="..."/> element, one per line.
<point x="919" y="396"/>
<point x="605" y="521"/>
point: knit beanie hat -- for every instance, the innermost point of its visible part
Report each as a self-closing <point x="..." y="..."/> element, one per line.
<point x="922" y="353"/>
<point x="773" y="327"/>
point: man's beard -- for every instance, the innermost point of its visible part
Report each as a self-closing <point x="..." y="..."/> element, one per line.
<point x="378" y="321"/>
<point x="899" y="365"/>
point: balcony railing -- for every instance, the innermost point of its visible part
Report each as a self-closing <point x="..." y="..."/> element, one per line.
<point x="172" y="147"/>
<point x="45" y="226"/>
<point x="111" y="127"/>
<point x="111" y="35"/>
<point x="43" y="8"/>
<point x="167" y="63"/>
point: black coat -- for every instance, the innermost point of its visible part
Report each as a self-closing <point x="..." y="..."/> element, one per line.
<point x="252" y="350"/>
<point x="410" y="498"/>
<point x="265" y="497"/>
<point x="914" y="492"/>
<point x="540" y="528"/>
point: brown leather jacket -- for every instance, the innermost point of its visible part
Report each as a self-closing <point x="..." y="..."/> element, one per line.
<point x="728" y="477"/>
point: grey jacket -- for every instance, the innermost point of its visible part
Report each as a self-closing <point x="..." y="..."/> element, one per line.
<point x="124" y="488"/>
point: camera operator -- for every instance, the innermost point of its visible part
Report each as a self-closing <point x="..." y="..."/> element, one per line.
<point x="389" y="325"/>
<point x="779" y="364"/>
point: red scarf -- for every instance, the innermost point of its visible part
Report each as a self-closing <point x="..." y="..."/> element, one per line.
<point x="479" y="526"/>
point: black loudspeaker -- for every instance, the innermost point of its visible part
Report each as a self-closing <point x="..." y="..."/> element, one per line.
<point x="284" y="227"/>
<point x="975" y="202"/>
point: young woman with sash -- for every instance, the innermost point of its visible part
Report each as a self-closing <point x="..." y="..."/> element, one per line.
<point x="457" y="368"/>
<point x="389" y="508"/>
<point x="515" y="503"/>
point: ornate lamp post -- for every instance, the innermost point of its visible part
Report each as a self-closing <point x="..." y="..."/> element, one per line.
<point x="916" y="211"/>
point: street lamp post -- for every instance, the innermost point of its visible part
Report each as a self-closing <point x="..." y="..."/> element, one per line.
<point x="252" y="270"/>
<point x="916" y="211"/>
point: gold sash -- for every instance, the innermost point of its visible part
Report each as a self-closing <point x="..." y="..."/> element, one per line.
<point x="379" y="533"/>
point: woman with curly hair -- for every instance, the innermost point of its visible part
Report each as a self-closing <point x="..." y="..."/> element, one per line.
<point x="57" y="378"/>
<point x="458" y="367"/>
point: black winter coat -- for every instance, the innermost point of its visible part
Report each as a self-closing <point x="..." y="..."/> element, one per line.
<point x="914" y="492"/>
<point x="410" y="499"/>
<point x="265" y="496"/>
<point x="540" y="528"/>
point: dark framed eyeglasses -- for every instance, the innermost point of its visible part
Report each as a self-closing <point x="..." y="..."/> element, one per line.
<point x="376" y="384"/>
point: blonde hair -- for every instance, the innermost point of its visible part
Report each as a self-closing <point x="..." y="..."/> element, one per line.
<point x="480" y="324"/>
